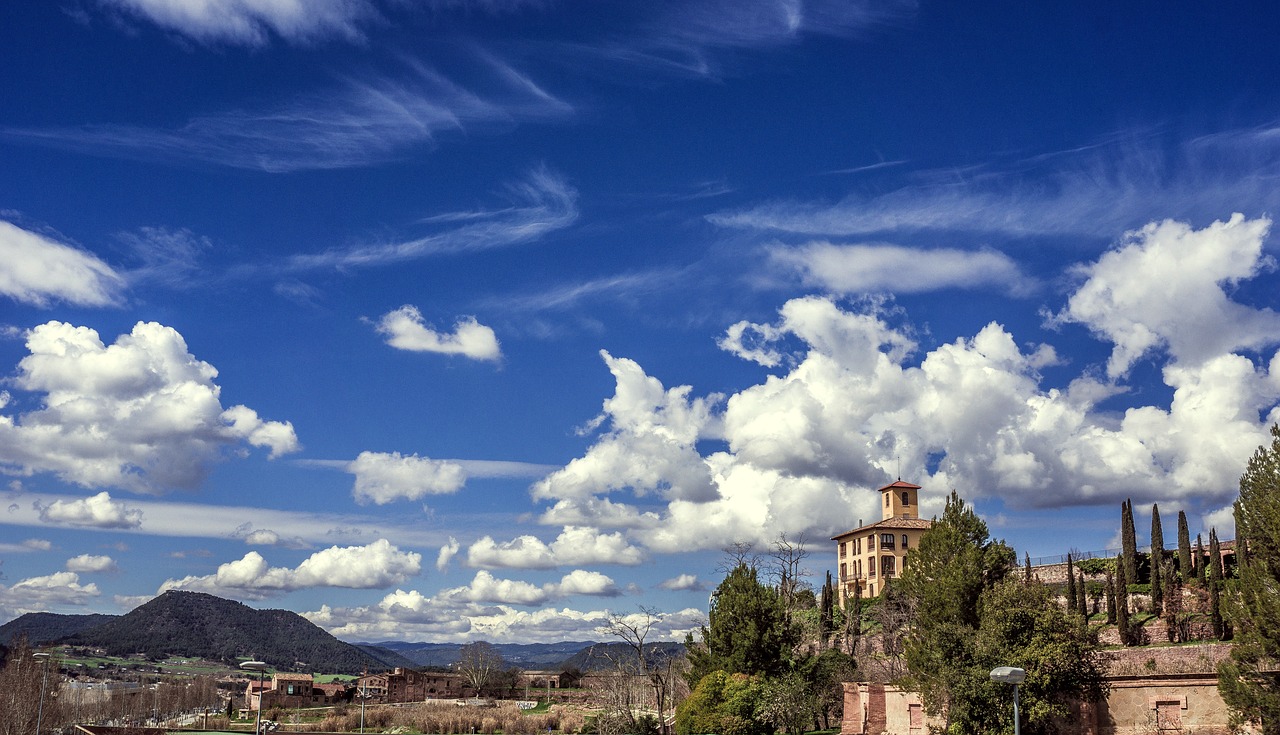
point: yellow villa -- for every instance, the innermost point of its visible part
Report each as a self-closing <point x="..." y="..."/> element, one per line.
<point x="871" y="555"/>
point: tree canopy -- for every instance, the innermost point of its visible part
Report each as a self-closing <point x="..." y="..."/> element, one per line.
<point x="969" y="616"/>
<point x="747" y="630"/>
<point x="1248" y="681"/>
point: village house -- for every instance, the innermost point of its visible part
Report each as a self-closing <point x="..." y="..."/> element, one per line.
<point x="407" y="685"/>
<point x="286" y="690"/>
<point x="870" y="556"/>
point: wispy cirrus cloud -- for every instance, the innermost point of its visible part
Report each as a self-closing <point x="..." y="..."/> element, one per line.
<point x="1095" y="190"/>
<point x="360" y="122"/>
<point x="698" y="38"/>
<point x="872" y="268"/>
<point x="540" y="204"/>
<point x="251" y="22"/>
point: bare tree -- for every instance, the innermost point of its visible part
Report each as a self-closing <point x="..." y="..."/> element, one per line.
<point x="736" y="554"/>
<point x="22" y="682"/>
<point x="787" y="568"/>
<point x="648" y="660"/>
<point x="880" y="652"/>
<point x="479" y="663"/>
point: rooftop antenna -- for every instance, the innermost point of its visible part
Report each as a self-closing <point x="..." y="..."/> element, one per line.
<point x="899" y="458"/>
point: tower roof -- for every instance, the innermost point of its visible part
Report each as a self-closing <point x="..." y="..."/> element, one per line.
<point x="899" y="484"/>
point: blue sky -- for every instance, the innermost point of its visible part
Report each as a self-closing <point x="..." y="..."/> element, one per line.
<point x="477" y="320"/>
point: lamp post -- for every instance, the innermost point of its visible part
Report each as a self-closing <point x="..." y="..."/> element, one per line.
<point x="261" y="668"/>
<point x="1015" y="676"/>
<point x="364" y="695"/>
<point x="42" y="657"/>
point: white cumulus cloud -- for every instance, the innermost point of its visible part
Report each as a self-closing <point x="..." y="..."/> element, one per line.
<point x="142" y="413"/>
<point x="54" y="592"/>
<point x="383" y="478"/>
<point x="405" y="329"/>
<point x="89" y="563"/>
<point x="1168" y="286"/>
<point x="37" y="270"/>
<point x="575" y="545"/>
<point x="851" y="399"/>
<point x="99" y="511"/>
<point x="376" y="565"/>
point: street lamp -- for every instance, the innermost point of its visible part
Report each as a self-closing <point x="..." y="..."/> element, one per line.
<point x="42" y="657"/>
<point x="261" y="668"/>
<point x="1015" y="676"/>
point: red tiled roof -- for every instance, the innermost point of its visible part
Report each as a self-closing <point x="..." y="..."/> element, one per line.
<point x="899" y="484"/>
<point x="894" y="523"/>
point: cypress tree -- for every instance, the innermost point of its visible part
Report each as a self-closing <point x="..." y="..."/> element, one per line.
<point x="1184" y="547"/>
<point x="1081" y="604"/>
<point x="1157" y="533"/>
<point x="1071" y="585"/>
<point x="1201" y="571"/>
<point x="1028" y="567"/>
<point x="1122" y="605"/>
<point x="1172" y="602"/>
<point x="1111" y="599"/>
<point x="1157" y="586"/>
<point x="1128" y="542"/>
<point x="1157" y="556"/>
<point x="1215" y="585"/>
<point x="1215" y="556"/>
<point x="826" y="612"/>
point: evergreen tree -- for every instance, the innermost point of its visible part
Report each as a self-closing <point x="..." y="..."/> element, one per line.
<point x="826" y="612"/>
<point x="1157" y="561"/>
<point x="1157" y="585"/>
<point x="1201" y="570"/>
<point x="1184" y="547"/>
<point x="1157" y="533"/>
<point x="1172" y="602"/>
<point x="746" y="631"/>
<point x="1248" y="680"/>
<point x="945" y="577"/>
<point x="1082" y="606"/>
<point x="1111" y="599"/>
<point x="1215" y="556"/>
<point x="1027" y="574"/>
<point x="1071" y="585"/>
<point x="1215" y="585"/>
<point x="969" y="617"/>
<point x="1128" y="543"/>
<point x="1122" y="605"/>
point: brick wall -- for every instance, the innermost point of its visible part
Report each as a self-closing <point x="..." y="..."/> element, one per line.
<point x="1168" y="690"/>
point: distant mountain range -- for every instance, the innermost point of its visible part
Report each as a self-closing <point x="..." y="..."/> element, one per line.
<point x="198" y="625"/>
<point x="529" y="656"/>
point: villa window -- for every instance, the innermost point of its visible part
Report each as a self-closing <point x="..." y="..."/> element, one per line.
<point x="843" y="550"/>
<point x="886" y="500"/>
<point x="886" y="541"/>
<point x="872" y="565"/>
<point x="843" y="571"/>
<point x="871" y="542"/>
<point x="904" y="540"/>
<point x="906" y="499"/>
<point x="888" y="565"/>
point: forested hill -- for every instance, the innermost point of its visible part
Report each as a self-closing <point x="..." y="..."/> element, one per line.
<point x="204" y="626"/>
<point x="41" y="627"/>
<point x="607" y="656"/>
